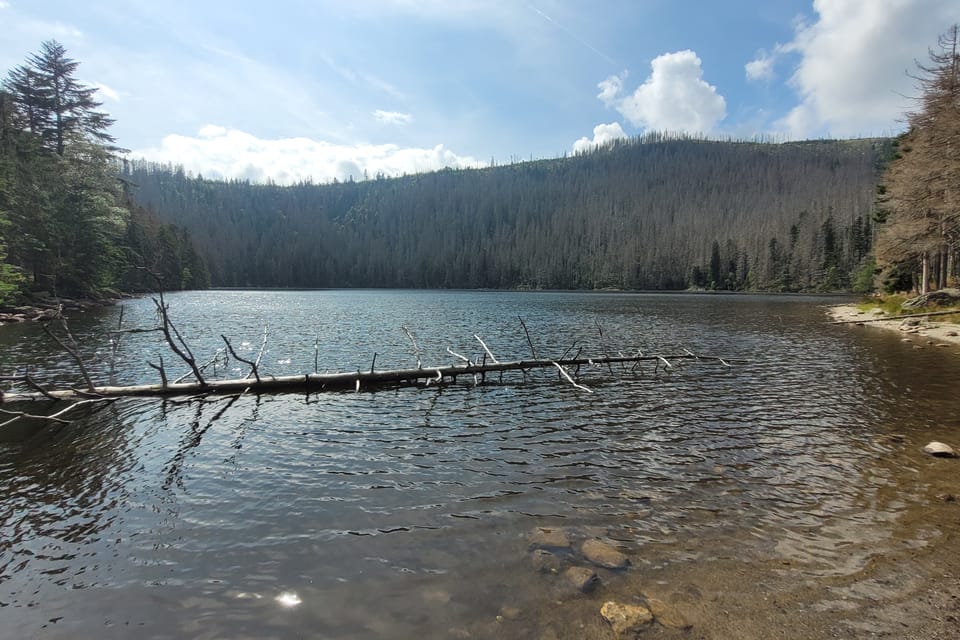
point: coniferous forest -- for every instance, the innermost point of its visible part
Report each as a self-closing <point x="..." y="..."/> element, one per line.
<point x="652" y="213"/>
<point x="655" y="213"/>
<point x="68" y="225"/>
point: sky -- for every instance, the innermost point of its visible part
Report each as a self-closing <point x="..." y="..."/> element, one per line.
<point x="317" y="90"/>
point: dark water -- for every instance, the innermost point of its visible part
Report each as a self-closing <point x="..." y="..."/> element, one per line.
<point x="405" y="514"/>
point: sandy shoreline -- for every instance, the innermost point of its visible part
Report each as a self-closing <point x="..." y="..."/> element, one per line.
<point x="928" y="332"/>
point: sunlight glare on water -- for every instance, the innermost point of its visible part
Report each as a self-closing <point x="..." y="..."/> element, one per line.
<point x="409" y="513"/>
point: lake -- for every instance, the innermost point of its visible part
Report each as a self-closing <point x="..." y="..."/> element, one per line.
<point x="772" y="487"/>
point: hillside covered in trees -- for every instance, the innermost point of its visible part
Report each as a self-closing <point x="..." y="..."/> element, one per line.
<point x="67" y="224"/>
<point x="658" y="213"/>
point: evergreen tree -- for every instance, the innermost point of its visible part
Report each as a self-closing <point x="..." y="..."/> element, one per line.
<point x="921" y="192"/>
<point x="54" y="105"/>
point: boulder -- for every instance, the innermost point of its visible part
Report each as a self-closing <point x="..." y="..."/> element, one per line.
<point x="626" y="618"/>
<point x="940" y="298"/>
<point x="604" y="555"/>
<point x="940" y="450"/>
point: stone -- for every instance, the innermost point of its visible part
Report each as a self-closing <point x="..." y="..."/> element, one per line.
<point x="940" y="298"/>
<point x="544" y="561"/>
<point x="604" y="555"/>
<point x="626" y="618"/>
<point x="940" y="450"/>
<point x="910" y="322"/>
<point x="667" y="615"/>
<point x="543" y="538"/>
<point x="952" y="334"/>
<point x="510" y="613"/>
<point x="878" y="312"/>
<point x="582" y="578"/>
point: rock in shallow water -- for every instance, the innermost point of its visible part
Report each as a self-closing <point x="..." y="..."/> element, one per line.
<point x="940" y="450"/>
<point x="543" y="538"/>
<point x="581" y="578"/>
<point x="604" y="555"/>
<point x="544" y="561"/>
<point x="667" y="615"/>
<point x="626" y="618"/>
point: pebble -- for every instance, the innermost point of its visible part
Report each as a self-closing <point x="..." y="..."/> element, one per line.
<point x="604" y="555"/>
<point x="940" y="450"/>
<point x="626" y="618"/>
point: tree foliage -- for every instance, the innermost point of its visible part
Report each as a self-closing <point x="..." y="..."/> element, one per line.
<point x="654" y="213"/>
<point x="920" y="196"/>
<point x="65" y="220"/>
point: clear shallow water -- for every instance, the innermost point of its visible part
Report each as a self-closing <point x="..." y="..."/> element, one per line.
<point x="406" y="513"/>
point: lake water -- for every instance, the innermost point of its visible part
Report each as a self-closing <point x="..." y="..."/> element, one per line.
<point x="407" y="513"/>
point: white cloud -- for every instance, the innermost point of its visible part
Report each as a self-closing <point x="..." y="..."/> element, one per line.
<point x="675" y="97"/>
<point x="610" y="88"/>
<point x="392" y="117"/>
<point x="602" y="134"/>
<point x="761" y="67"/>
<point x="223" y="153"/>
<point x="107" y="91"/>
<point x="852" y="77"/>
<point x="4" y="4"/>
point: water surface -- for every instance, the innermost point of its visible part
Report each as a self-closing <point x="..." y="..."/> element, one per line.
<point x="406" y="513"/>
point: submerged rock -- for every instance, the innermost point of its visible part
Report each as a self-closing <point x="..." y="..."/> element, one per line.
<point x="544" y="561"/>
<point x="940" y="450"/>
<point x="626" y="618"/>
<point x="544" y="538"/>
<point x="604" y="555"/>
<point x="582" y="578"/>
<point x="667" y="615"/>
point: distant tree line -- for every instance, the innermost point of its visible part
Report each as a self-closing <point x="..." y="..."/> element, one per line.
<point x="67" y="223"/>
<point x="654" y="213"/>
<point x="919" y="198"/>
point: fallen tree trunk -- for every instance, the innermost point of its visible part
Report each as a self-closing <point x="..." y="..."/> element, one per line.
<point x="358" y="380"/>
<point x="900" y="317"/>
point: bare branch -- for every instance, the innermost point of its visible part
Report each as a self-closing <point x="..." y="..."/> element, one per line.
<point x="72" y="350"/>
<point x="566" y="375"/>
<point x="529" y="341"/>
<point x="416" y="347"/>
<point x="489" y="353"/>
<point x="253" y="365"/>
<point x="161" y="370"/>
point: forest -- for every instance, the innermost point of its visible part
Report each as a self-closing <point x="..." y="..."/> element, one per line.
<point x="68" y="223"/>
<point x="652" y="213"/>
<point x="78" y="216"/>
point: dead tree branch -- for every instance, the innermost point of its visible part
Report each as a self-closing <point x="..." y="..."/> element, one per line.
<point x="71" y="349"/>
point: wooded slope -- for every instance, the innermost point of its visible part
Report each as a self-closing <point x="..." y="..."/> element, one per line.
<point x="655" y="213"/>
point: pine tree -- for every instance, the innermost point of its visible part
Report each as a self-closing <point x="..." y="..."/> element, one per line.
<point x="53" y="104"/>
<point x="921" y="192"/>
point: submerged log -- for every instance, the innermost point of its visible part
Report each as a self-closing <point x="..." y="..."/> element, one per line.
<point x="357" y="381"/>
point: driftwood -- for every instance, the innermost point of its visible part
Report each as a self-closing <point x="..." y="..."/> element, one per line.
<point x="358" y="380"/>
<point x="255" y="382"/>
<point x="901" y="317"/>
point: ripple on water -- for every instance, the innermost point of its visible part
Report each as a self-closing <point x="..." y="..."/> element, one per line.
<point x="408" y="510"/>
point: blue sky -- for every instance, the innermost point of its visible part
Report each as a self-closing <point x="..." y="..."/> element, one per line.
<point x="298" y="89"/>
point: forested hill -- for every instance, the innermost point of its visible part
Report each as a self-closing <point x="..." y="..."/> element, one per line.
<point x="655" y="213"/>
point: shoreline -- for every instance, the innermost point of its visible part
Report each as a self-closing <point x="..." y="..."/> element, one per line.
<point x="924" y="331"/>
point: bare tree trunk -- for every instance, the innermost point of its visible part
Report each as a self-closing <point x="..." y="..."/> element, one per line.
<point x="944" y="267"/>
<point x="925" y="273"/>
